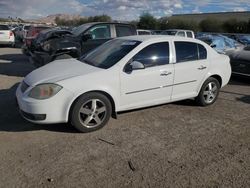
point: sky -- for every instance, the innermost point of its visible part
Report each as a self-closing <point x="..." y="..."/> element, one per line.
<point x="118" y="9"/>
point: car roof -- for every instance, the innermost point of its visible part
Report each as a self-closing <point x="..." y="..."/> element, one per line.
<point x="178" y="30"/>
<point x="96" y="23"/>
<point x="144" y="38"/>
<point x="143" y="30"/>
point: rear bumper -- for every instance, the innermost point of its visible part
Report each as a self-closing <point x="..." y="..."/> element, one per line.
<point x="7" y="42"/>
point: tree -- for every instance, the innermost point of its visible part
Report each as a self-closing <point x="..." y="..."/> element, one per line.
<point x="211" y="25"/>
<point x="101" y="18"/>
<point x="80" y="21"/>
<point x="147" y="21"/>
<point x="167" y="23"/>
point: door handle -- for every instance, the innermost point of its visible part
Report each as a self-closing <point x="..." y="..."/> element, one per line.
<point x="202" y="67"/>
<point x="165" y="73"/>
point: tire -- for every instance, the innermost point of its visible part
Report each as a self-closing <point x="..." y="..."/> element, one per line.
<point x="91" y="112"/>
<point x="64" y="56"/>
<point x="13" y="45"/>
<point x="209" y="92"/>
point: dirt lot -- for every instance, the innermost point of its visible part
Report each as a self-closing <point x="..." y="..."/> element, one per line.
<point x="173" y="145"/>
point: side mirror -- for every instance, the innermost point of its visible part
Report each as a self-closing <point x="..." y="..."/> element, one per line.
<point x="87" y="37"/>
<point x="213" y="45"/>
<point x="135" y="65"/>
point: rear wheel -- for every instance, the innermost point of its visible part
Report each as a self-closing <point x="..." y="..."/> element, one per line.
<point x="209" y="92"/>
<point x="91" y="112"/>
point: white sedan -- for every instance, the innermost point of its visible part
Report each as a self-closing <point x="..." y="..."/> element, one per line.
<point x="122" y="74"/>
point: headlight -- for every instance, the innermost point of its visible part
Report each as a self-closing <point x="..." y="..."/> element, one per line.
<point x="44" y="91"/>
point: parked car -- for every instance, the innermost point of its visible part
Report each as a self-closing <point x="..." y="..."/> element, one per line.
<point x="24" y="32"/>
<point x="17" y="32"/>
<point x="238" y="53"/>
<point x="156" y="32"/>
<point x="243" y="39"/>
<point x="123" y="74"/>
<point x="221" y="43"/>
<point x="144" y="32"/>
<point x="179" y="32"/>
<point x="31" y="35"/>
<point x="6" y="35"/>
<point x="60" y="44"/>
<point x="240" y="62"/>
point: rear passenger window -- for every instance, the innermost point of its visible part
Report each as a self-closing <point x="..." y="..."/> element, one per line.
<point x="186" y="51"/>
<point x="189" y="34"/>
<point x="181" y="34"/>
<point x="123" y="30"/>
<point x="154" y="55"/>
<point x="202" y="52"/>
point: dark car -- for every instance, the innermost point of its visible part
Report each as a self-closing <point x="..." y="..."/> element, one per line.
<point x="238" y="53"/>
<point x="31" y="35"/>
<point x="243" y="39"/>
<point x="240" y="62"/>
<point x="59" y="44"/>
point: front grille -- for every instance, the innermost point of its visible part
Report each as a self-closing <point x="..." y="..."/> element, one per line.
<point x="24" y="86"/>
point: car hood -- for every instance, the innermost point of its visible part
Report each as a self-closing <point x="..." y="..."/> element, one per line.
<point x="59" y="70"/>
<point x="52" y="33"/>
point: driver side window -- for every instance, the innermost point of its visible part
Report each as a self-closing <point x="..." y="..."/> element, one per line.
<point x="154" y="55"/>
<point x="100" y="32"/>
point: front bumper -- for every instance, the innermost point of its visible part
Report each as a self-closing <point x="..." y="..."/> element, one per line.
<point x="40" y="58"/>
<point x="52" y="110"/>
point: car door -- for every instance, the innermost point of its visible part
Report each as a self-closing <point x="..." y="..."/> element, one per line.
<point x="100" y="34"/>
<point x="152" y="84"/>
<point x="190" y="69"/>
<point x="240" y="63"/>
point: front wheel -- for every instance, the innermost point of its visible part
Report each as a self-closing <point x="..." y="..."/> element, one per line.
<point x="209" y="92"/>
<point x="91" y="111"/>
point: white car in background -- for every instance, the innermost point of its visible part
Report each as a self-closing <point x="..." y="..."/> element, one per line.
<point x="144" y="32"/>
<point x="6" y="35"/>
<point x="179" y="33"/>
<point x="123" y="74"/>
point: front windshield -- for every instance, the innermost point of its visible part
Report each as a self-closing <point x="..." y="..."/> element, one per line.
<point x="80" y="29"/>
<point x="110" y="53"/>
<point x="169" y="32"/>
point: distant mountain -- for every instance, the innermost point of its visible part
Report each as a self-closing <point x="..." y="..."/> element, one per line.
<point x="51" y="18"/>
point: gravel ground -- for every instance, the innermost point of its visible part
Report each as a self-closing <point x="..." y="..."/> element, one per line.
<point x="173" y="145"/>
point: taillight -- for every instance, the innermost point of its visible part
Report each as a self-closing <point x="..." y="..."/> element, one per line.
<point x="11" y="33"/>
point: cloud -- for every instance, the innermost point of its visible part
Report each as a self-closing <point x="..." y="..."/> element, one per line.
<point x="239" y="9"/>
<point x="178" y="5"/>
<point x="117" y="9"/>
<point x="38" y="8"/>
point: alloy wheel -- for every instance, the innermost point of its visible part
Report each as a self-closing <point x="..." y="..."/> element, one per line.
<point x="210" y="92"/>
<point x="92" y="113"/>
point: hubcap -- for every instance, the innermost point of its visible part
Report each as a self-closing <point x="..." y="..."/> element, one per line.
<point x="92" y="113"/>
<point x="210" y="92"/>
